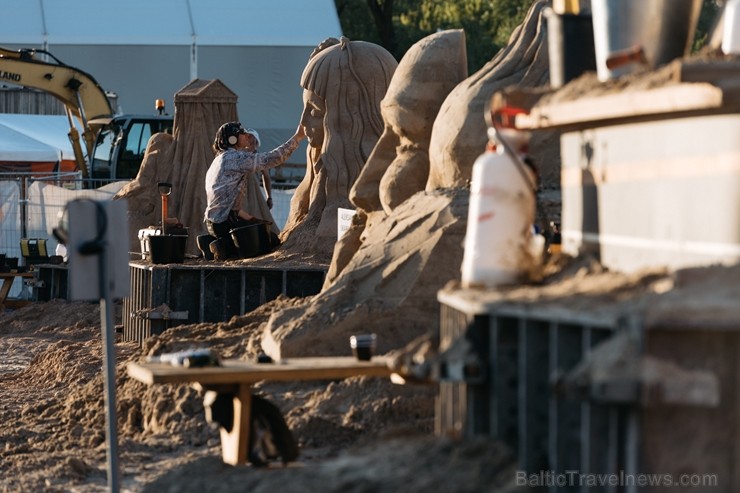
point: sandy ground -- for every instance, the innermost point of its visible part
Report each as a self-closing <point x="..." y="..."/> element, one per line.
<point x="360" y="434"/>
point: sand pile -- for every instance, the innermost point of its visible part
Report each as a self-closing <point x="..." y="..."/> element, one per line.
<point x="53" y="432"/>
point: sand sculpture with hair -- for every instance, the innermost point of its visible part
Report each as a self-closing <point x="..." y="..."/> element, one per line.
<point x="344" y="82"/>
<point x="389" y="284"/>
<point x="399" y="164"/>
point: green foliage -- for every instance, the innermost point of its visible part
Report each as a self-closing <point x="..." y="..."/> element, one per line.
<point x="354" y="16"/>
<point x="487" y="23"/>
<point x="707" y="19"/>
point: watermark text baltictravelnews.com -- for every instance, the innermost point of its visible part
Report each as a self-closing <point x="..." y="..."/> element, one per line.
<point x="576" y="478"/>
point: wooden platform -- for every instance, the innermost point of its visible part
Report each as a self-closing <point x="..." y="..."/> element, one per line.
<point x="236" y="377"/>
<point x="164" y="296"/>
<point x="684" y="87"/>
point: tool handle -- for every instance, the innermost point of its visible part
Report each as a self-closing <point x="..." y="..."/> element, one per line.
<point x="623" y="57"/>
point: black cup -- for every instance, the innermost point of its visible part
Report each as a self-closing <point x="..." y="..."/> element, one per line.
<point x="363" y="346"/>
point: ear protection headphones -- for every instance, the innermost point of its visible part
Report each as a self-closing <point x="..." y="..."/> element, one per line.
<point x="227" y="135"/>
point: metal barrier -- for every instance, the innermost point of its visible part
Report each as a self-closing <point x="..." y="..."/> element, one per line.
<point x="28" y="209"/>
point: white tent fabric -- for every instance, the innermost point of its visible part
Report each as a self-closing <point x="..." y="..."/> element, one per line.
<point x="15" y="146"/>
<point x="34" y="138"/>
<point x="144" y="50"/>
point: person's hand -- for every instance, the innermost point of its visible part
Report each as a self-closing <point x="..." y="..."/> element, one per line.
<point x="269" y="202"/>
<point x="299" y="134"/>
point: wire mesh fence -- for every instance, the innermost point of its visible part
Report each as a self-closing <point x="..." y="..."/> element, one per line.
<point x="31" y="204"/>
<point x="31" y="207"/>
<point x="281" y="197"/>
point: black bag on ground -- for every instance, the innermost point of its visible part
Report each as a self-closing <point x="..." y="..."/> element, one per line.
<point x="269" y="435"/>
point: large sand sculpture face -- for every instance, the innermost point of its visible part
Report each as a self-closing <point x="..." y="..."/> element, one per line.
<point x="399" y="164"/>
<point x="312" y="119"/>
<point x="344" y="82"/>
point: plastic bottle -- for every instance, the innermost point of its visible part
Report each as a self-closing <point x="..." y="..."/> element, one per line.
<point x="500" y="218"/>
<point x="731" y="28"/>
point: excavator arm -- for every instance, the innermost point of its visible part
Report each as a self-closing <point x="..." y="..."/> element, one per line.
<point x="80" y="93"/>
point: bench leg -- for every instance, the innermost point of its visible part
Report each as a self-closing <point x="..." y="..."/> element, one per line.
<point x="235" y="443"/>
<point x="4" y="291"/>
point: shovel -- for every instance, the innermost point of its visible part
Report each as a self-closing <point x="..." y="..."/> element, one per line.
<point x="165" y="189"/>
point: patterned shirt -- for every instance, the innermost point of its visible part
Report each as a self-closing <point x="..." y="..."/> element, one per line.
<point x="227" y="177"/>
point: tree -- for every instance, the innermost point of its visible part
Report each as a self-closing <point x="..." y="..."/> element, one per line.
<point x="398" y="24"/>
<point x="707" y="19"/>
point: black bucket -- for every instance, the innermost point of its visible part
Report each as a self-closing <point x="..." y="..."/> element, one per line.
<point x="167" y="249"/>
<point x="203" y="242"/>
<point x="252" y="240"/>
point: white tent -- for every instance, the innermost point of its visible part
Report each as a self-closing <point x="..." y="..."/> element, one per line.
<point x="17" y="147"/>
<point x="19" y="132"/>
<point x="143" y="49"/>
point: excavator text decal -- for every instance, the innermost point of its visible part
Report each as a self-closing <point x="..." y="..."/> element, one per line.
<point x="10" y="76"/>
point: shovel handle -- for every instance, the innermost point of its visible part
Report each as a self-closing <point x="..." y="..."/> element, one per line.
<point x="623" y="57"/>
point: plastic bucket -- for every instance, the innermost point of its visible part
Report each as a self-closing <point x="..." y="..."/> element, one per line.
<point x="252" y="240"/>
<point x="633" y="33"/>
<point x="167" y="249"/>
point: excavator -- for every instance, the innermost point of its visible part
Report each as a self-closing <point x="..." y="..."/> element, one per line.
<point x="114" y="144"/>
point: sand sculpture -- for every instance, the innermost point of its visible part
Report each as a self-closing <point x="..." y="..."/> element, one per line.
<point x="344" y="82"/>
<point x="459" y="132"/>
<point x="405" y="249"/>
<point x="181" y="159"/>
<point x="389" y="284"/>
<point x="399" y="164"/>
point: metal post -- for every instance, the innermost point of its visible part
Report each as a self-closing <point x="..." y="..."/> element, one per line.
<point x="109" y="364"/>
<point x="24" y="206"/>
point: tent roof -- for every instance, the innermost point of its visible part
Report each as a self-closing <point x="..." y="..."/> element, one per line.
<point x="169" y="22"/>
<point x="14" y="146"/>
<point x="37" y="138"/>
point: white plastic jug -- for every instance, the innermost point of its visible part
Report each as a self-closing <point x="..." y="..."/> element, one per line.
<point x="500" y="217"/>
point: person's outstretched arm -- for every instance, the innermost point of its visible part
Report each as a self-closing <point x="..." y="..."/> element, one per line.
<point x="267" y="183"/>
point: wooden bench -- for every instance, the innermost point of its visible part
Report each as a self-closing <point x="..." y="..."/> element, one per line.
<point x="8" y="278"/>
<point x="236" y="378"/>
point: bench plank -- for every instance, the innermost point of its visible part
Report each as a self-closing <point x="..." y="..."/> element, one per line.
<point x="236" y="377"/>
<point x="234" y="371"/>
